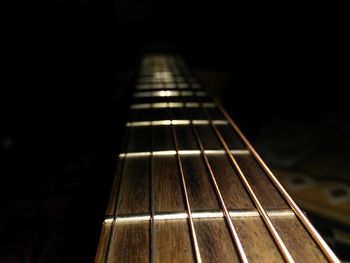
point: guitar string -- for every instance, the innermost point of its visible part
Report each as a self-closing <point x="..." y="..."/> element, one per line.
<point x="111" y="235"/>
<point x="152" y="232"/>
<point x="280" y="243"/>
<point x="207" y="160"/>
<point x="184" y="188"/>
<point x="234" y="235"/>
<point x="125" y="145"/>
<point x="297" y="210"/>
<point x="300" y="215"/>
<point x="175" y="135"/>
<point x="288" y="257"/>
<point x="152" y="246"/>
<point x="241" y="253"/>
<point x="151" y="189"/>
<point x="282" y="247"/>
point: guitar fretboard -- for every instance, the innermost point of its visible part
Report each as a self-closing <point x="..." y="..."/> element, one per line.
<point x="190" y="188"/>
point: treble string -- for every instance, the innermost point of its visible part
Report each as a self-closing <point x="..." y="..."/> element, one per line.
<point x="241" y="253"/>
<point x="282" y="247"/>
<point x="151" y="190"/>
<point x="184" y="188"/>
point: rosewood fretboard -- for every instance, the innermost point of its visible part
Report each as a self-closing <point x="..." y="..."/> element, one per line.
<point x="190" y="188"/>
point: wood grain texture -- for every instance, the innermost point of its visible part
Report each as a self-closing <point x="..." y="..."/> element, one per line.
<point x="231" y="138"/>
<point x="215" y="114"/>
<point x="173" y="242"/>
<point x="185" y="138"/>
<point x="137" y="236"/>
<point x="179" y="114"/>
<point x="139" y="141"/>
<point x="232" y="190"/>
<point x="103" y="243"/>
<point x="114" y="191"/>
<point x="149" y="114"/>
<point x="167" y="185"/>
<point x="267" y="194"/>
<point x="159" y="114"/>
<point x="196" y="114"/>
<point x="140" y="115"/>
<point x="162" y="138"/>
<point x="298" y="241"/>
<point x="129" y="243"/>
<point x="199" y="187"/>
<point x="256" y="240"/>
<point x="215" y="244"/>
<point x="134" y="191"/>
<point x="208" y="138"/>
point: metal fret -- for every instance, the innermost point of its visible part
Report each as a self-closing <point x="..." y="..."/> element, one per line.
<point x="168" y="93"/>
<point x="247" y="213"/>
<point x="162" y="105"/>
<point x="187" y="174"/>
<point x="181" y="152"/>
<point x="173" y="122"/>
<point x="167" y="85"/>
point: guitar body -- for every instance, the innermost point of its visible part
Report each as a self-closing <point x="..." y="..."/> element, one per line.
<point x="190" y="188"/>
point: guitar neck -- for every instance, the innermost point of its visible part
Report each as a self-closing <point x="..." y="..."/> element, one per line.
<point x="189" y="187"/>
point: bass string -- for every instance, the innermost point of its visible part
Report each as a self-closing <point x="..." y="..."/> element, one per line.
<point x="241" y="253"/>
<point x="276" y="237"/>
<point x="233" y="232"/>
<point x="283" y="249"/>
<point x="217" y="190"/>
<point x="299" y="213"/>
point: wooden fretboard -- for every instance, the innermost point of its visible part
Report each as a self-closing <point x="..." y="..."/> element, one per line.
<point x="190" y="188"/>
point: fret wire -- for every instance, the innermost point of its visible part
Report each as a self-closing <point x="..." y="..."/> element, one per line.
<point x="244" y="213"/>
<point x="184" y="188"/>
<point x="168" y="93"/>
<point x="170" y="85"/>
<point x="282" y="247"/>
<point x="231" y="227"/>
<point x="173" y="122"/>
<point x="162" y="105"/>
<point x="181" y="152"/>
<point x="299" y="213"/>
<point x="168" y="64"/>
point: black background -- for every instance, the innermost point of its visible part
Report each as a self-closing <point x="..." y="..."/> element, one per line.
<point x="67" y="66"/>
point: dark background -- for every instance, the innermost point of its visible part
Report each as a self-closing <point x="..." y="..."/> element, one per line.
<point x="66" y="69"/>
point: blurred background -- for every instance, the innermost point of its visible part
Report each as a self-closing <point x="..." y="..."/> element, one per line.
<point x="280" y="69"/>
